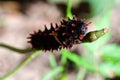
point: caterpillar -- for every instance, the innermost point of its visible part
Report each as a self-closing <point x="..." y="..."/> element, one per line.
<point x="65" y="35"/>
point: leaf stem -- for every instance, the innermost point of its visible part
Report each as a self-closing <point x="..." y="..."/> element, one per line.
<point x="28" y="59"/>
<point x="69" y="7"/>
<point x="22" y="51"/>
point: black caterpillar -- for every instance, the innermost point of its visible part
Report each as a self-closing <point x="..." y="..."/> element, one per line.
<point x="65" y="35"/>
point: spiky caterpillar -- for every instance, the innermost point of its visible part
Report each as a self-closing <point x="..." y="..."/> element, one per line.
<point x="65" y="35"/>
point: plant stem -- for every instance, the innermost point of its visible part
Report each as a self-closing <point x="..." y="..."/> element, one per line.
<point x="28" y="59"/>
<point x="53" y="64"/>
<point x="52" y="73"/>
<point x="16" y="49"/>
<point x="63" y="63"/>
<point x="68" y="11"/>
<point x="64" y="58"/>
<point x="81" y="74"/>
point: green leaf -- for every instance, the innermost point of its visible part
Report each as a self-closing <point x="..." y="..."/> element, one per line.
<point x="109" y="69"/>
<point x="111" y="53"/>
<point x="78" y="60"/>
<point x="52" y="73"/>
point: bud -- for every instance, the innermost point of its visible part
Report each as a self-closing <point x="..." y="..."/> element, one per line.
<point x="94" y="35"/>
